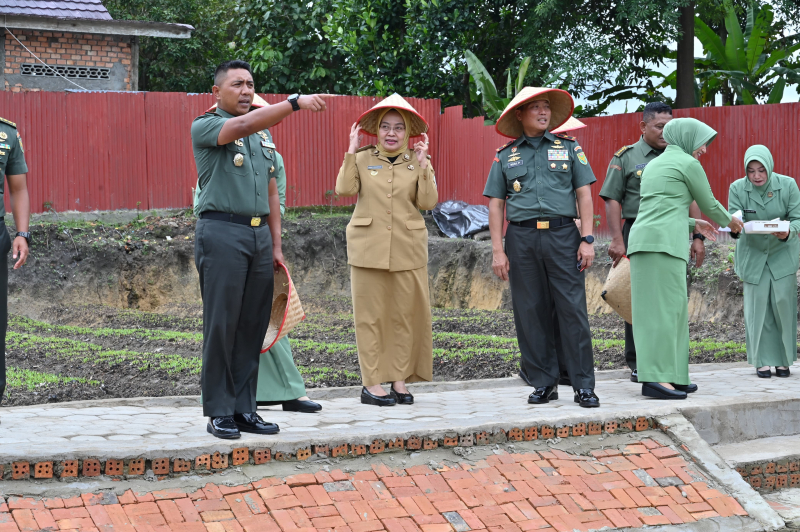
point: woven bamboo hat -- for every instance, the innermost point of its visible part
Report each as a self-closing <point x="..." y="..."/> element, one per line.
<point x="561" y="107"/>
<point x="369" y="120"/>
<point x="286" y="312"/>
<point x="570" y="125"/>
<point x="617" y="290"/>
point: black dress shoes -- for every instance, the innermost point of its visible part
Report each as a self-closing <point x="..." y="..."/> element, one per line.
<point x="766" y="374"/>
<point x="252" y="422"/>
<point x="543" y="395"/>
<point x="634" y="375"/>
<point x="654" y="389"/>
<point x="688" y="388"/>
<point x="402" y="398"/>
<point x="377" y="400"/>
<point x="782" y="372"/>
<point x="296" y="405"/>
<point x="586" y="398"/>
<point x="223" y="427"/>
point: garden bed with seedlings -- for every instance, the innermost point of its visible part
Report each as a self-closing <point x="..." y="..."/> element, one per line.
<point x="107" y="311"/>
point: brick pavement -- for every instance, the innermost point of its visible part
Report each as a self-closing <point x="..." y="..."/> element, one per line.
<point x="634" y="485"/>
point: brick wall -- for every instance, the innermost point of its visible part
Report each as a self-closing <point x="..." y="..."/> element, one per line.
<point x="67" y="49"/>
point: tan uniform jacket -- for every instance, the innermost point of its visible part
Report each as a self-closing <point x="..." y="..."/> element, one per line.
<point x="387" y="231"/>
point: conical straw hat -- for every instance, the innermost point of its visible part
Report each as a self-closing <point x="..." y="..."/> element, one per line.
<point x="561" y="106"/>
<point x="286" y="312"/>
<point x="617" y="290"/>
<point x="369" y="120"/>
<point x="570" y="125"/>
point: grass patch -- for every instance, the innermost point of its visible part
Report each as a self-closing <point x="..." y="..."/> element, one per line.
<point x="26" y="325"/>
<point x="319" y="375"/>
<point x="719" y="349"/>
<point x="607" y="343"/>
<point x="29" y="380"/>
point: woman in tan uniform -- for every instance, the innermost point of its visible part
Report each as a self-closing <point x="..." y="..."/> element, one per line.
<point x="387" y="249"/>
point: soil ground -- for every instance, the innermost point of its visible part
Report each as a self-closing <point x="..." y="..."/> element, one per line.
<point x="76" y="351"/>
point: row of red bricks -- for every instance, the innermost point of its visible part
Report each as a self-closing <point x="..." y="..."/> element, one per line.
<point x="768" y="476"/>
<point x="506" y="493"/>
<point x="161" y="467"/>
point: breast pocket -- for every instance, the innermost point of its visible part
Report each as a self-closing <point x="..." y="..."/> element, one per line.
<point x="517" y="179"/>
<point x="235" y="159"/>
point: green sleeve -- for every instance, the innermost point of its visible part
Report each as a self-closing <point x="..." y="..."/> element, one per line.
<point x="205" y="130"/>
<point x="496" y="186"/>
<point x="793" y="209"/>
<point x="614" y="185"/>
<point x="582" y="173"/>
<point x="734" y="203"/>
<point x="698" y="185"/>
<point x="280" y="180"/>
<point x="16" y="158"/>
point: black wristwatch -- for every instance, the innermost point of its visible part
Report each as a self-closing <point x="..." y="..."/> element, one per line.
<point x="588" y="239"/>
<point x="24" y="234"/>
<point x="293" y="100"/>
<point x="698" y="236"/>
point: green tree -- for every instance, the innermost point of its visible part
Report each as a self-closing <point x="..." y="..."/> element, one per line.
<point x="180" y="64"/>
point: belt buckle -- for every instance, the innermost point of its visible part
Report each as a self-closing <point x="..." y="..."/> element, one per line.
<point x="255" y="221"/>
<point x="543" y="225"/>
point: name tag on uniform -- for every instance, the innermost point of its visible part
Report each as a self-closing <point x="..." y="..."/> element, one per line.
<point x="515" y="164"/>
<point x="378" y="167"/>
<point x="558" y="155"/>
<point x="640" y="166"/>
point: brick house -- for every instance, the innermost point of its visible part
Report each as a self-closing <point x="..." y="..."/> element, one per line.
<point x="44" y="40"/>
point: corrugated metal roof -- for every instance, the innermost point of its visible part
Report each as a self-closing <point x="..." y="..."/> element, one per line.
<point x="80" y="9"/>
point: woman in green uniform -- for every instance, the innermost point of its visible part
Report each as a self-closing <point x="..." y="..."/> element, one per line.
<point x="767" y="264"/>
<point x="279" y="382"/>
<point x="659" y="251"/>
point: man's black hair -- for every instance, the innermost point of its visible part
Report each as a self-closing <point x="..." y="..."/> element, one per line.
<point x="223" y="68"/>
<point x="654" y="108"/>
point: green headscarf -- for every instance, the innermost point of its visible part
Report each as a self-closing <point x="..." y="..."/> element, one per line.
<point x="688" y="134"/>
<point x="761" y="154"/>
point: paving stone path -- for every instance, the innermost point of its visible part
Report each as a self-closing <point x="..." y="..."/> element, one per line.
<point x="125" y="429"/>
<point x="642" y="483"/>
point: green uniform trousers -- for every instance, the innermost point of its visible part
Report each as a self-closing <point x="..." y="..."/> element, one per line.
<point x="660" y="309"/>
<point x="278" y="378"/>
<point x="5" y="247"/>
<point x="547" y="287"/>
<point x="236" y="280"/>
<point x="770" y="320"/>
<point x="630" y="346"/>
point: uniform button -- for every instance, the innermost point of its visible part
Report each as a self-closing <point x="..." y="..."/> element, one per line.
<point x="256" y="173"/>
<point x="388" y="195"/>
<point x="425" y="178"/>
<point x="538" y="168"/>
<point x="388" y="212"/>
<point x="390" y="167"/>
<point x="254" y="154"/>
<point x="389" y="227"/>
<point x="390" y="181"/>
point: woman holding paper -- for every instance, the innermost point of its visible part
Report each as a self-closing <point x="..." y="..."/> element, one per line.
<point x="659" y="251"/>
<point x="768" y="263"/>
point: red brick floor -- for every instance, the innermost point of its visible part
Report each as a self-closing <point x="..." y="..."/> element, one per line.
<point x="550" y="489"/>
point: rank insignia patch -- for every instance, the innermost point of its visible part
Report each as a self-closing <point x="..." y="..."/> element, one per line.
<point x="553" y="165"/>
<point x="517" y="186"/>
<point x="564" y="166"/>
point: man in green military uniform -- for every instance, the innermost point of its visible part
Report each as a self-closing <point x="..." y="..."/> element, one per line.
<point x="536" y="179"/>
<point x="14" y="169"/>
<point x="237" y="243"/>
<point x="621" y="194"/>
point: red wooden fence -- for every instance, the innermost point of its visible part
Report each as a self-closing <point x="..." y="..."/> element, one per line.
<point x="89" y="151"/>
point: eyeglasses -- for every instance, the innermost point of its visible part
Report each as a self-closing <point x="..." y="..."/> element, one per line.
<point x="387" y="128"/>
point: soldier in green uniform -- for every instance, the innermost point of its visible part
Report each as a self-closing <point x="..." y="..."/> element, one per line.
<point x="621" y="194"/>
<point x="536" y="179"/>
<point x="13" y="168"/>
<point x="237" y="243"/>
<point x="279" y="382"/>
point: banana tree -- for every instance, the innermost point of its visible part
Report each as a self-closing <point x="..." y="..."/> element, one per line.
<point x="484" y="86"/>
<point x="746" y="61"/>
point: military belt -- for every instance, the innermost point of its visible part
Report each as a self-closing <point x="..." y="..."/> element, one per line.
<point x="544" y="223"/>
<point x="254" y="221"/>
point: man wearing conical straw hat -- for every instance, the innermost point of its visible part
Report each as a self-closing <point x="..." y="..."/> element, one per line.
<point x="542" y="181"/>
<point x="387" y="249"/>
<point x="237" y="243"/>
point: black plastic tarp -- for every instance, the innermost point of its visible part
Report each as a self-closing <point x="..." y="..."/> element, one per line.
<point x="459" y="218"/>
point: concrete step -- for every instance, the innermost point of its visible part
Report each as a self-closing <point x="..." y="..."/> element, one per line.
<point x="772" y="449"/>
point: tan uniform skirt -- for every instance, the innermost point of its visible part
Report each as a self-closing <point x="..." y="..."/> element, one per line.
<point x="392" y="315"/>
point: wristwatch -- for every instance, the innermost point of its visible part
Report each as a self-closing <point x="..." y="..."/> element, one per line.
<point x="293" y="100"/>
<point x="698" y="235"/>
<point x="588" y="239"/>
<point x="24" y="234"/>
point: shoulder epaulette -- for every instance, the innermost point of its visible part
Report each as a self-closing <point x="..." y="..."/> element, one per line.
<point x="9" y="122"/>
<point x="368" y="147"/>
<point x="506" y="145"/>
<point x="564" y="136"/>
<point x="622" y="150"/>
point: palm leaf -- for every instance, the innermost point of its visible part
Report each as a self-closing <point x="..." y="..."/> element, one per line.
<point x="758" y="35"/>
<point x="711" y="42"/>
<point x="523" y="70"/>
<point x="508" y="84"/>
<point x="734" y="44"/>
<point x="776" y="95"/>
